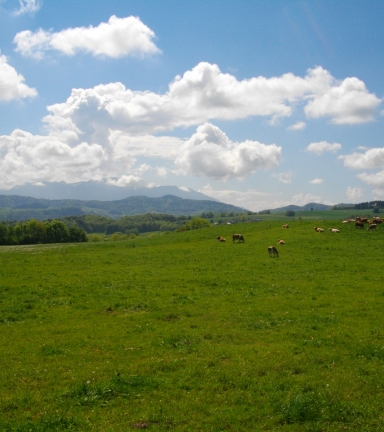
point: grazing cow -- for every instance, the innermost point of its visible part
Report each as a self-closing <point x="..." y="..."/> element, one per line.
<point x="238" y="237"/>
<point x="334" y="230"/>
<point x="279" y="242"/>
<point x="220" y="239"/>
<point x="371" y="227"/>
<point x="272" y="251"/>
<point x="359" y="225"/>
<point x="346" y="221"/>
<point x="285" y="226"/>
<point x="317" y="229"/>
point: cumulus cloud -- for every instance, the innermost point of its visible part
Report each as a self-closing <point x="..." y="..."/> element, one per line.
<point x="115" y="126"/>
<point x="165" y="147"/>
<point x="26" y="157"/>
<point x="316" y="181"/>
<point x="28" y="6"/>
<point x="354" y="193"/>
<point x="118" y="37"/>
<point x="321" y="147"/>
<point x="284" y="177"/>
<point x="200" y="95"/>
<point x="210" y="153"/>
<point x="372" y="158"/>
<point x="12" y="84"/>
<point x="346" y="102"/>
<point x="297" y="126"/>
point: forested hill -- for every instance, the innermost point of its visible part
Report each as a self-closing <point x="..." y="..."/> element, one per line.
<point x="15" y="207"/>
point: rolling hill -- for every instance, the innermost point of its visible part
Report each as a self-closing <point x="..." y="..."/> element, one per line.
<point x="14" y="207"/>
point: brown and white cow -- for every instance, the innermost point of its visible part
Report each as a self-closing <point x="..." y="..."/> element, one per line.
<point x="238" y="237"/>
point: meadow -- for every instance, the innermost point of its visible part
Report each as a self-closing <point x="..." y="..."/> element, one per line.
<point x="178" y="332"/>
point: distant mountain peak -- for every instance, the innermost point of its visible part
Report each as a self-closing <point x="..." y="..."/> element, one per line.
<point x="99" y="190"/>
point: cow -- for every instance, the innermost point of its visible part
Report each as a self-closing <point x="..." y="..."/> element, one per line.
<point x="280" y="242"/>
<point x="238" y="237"/>
<point x="272" y="251"/>
<point x="317" y="229"/>
<point x="359" y="224"/>
<point x="333" y="230"/>
<point x="220" y="239"/>
<point x="371" y="227"/>
<point x="285" y="226"/>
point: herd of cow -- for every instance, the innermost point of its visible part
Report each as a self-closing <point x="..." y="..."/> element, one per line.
<point x="359" y="222"/>
<point x="273" y="252"/>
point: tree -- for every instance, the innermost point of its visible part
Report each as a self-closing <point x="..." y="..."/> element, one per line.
<point x="197" y="223"/>
<point x="3" y="234"/>
<point x="57" y="232"/>
<point x="34" y="232"/>
<point x="289" y="213"/>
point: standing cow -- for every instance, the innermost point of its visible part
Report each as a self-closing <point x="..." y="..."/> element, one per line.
<point x="238" y="237"/>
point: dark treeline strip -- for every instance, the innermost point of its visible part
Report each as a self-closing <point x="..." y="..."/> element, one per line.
<point x="369" y="205"/>
<point x="128" y="224"/>
<point x="36" y="232"/>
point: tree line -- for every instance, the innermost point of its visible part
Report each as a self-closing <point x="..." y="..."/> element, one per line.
<point x="137" y="224"/>
<point x="36" y="232"/>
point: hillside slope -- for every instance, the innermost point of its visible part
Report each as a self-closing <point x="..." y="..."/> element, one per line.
<point x="14" y="207"/>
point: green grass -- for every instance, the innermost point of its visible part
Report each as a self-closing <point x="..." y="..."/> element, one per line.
<point x="182" y="333"/>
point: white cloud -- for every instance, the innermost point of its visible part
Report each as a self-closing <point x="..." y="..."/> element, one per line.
<point x="128" y="181"/>
<point x="346" y="102"/>
<point x="118" y="37"/>
<point x="297" y="126"/>
<point x="12" y="84"/>
<point x="25" y="157"/>
<point x="200" y="95"/>
<point x="250" y="199"/>
<point x="254" y="200"/>
<point x="354" y="193"/>
<point x="284" y="177"/>
<point x="28" y="6"/>
<point x="316" y="181"/>
<point x="372" y="158"/>
<point x="302" y="199"/>
<point x="165" y="147"/>
<point x="209" y="153"/>
<point x="321" y="147"/>
<point x="373" y="179"/>
<point x="378" y="194"/>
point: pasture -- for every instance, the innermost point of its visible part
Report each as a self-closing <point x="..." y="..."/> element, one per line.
<point x="181" y="332"/>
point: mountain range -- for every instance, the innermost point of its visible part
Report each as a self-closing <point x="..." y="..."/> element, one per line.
<point x="16" y="207"/>
<point x="100" y="191"/>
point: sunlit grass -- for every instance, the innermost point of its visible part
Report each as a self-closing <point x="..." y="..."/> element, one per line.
<point x="181" y="332"/>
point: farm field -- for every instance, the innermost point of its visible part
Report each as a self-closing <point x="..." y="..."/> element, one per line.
<point x="182" y="333"/>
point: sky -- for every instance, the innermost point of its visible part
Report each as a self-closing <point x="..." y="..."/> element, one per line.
<point x="259" y="104"/>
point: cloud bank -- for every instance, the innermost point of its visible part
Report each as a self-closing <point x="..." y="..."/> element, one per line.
<point x="118" y="37"/>
<point x="102" y="132"/>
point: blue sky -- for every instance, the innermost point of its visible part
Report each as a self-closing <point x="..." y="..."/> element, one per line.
<point x="255" y="103"/>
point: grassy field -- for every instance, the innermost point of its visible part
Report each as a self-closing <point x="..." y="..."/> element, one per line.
<point x="181" y="333"/>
